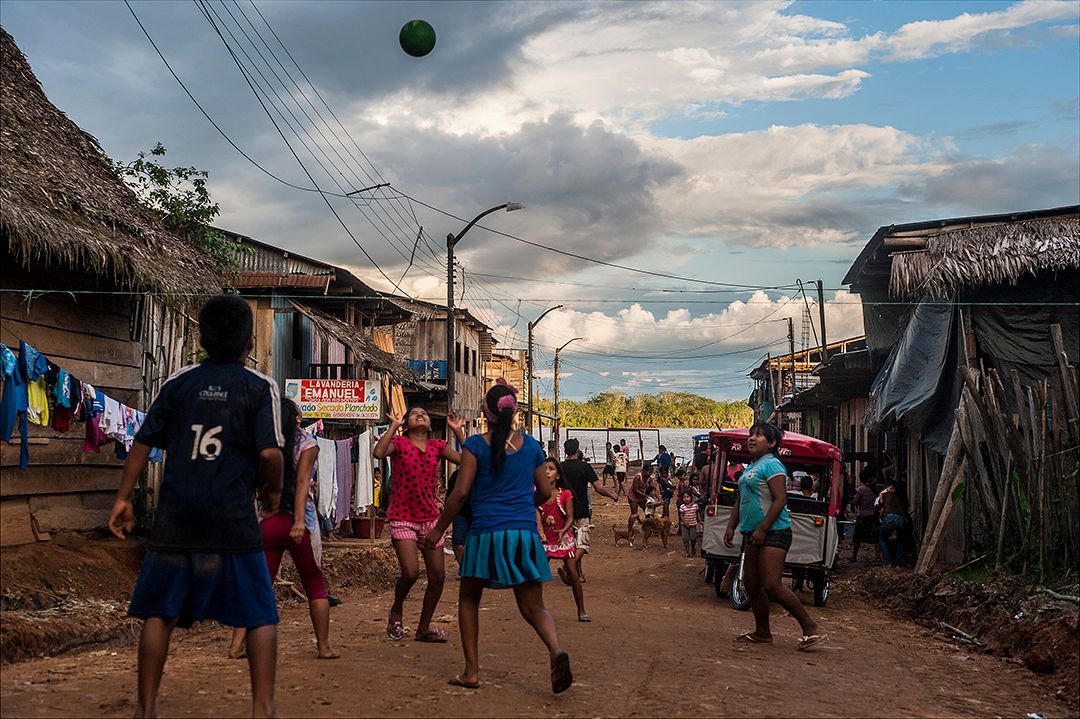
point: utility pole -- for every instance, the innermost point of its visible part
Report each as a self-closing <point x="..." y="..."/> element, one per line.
<point x="451" y="242"/>
<point x="529" y="367"/>
<point x="791" y="349"/>
<point x="821" y="309"/>
<point x="558" y="423"/>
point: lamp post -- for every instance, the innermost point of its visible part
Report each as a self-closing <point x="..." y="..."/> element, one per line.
<point x="557" y="422"/>
<point x="451" y="241"/>
<point x="529" y="366"/>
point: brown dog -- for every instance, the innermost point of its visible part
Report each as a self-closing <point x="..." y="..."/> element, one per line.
<point x="655" y="525"/>
<point x="622" y="534"/>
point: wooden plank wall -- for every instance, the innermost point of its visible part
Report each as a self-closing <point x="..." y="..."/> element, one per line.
<point x="90" y="336"/>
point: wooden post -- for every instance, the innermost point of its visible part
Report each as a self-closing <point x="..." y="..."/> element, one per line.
<point x="931" y="546"/>
<point x="1068" y="383"/>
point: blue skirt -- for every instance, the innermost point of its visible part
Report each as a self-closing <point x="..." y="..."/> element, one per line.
<point x="506" y="558"/>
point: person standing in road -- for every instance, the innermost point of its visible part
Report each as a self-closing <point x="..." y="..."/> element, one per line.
<point x="579" y="476"/>
<point x="414" y="507"/>
<point x="609" y="466"/>
<point x="762" y="517"/>
<point x="503" y="471"/>
<point x="894" y="523"/>
<point x="555" y="522"/>
<point x="866" y="518"/>
<point x="622" y="461"/>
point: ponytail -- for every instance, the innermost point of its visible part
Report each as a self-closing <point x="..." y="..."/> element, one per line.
<point x="500" y="406"/>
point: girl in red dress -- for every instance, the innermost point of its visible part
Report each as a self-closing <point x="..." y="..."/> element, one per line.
<point x="555" y="522"/>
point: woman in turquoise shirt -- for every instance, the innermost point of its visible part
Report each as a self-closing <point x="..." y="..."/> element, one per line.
<point x="762" y="517"/>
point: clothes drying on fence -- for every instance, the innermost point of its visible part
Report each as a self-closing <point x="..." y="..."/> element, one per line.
<point x="327" y="476"/>
<point x="343" y="479"/>
<point x="363" y="495"/>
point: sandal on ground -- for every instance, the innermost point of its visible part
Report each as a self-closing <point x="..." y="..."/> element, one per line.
<point x="584" y="618"/>
<point x="459" y="682"/>
<point x="561" y="676"/>
<point x="753" y="639"/>
<point x="810" y="640"/>
<point x="396" y="631"/>
<point x="434" y="635"/>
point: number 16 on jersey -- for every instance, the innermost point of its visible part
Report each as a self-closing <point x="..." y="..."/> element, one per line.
<point x="206" y="444"/>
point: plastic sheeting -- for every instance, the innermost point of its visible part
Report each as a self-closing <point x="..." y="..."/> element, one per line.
<point x="920" y="382"/>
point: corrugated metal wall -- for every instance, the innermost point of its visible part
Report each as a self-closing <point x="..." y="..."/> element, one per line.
<point x="310" y="343"/>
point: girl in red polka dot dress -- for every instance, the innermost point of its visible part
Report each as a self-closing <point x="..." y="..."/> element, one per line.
<point x="413" y="511"/>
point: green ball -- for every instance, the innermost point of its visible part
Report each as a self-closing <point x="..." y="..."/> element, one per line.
<point x="417" y="38"/>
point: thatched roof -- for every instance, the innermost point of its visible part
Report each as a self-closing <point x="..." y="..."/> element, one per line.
<point x="363" y="347"/>
<point x="61" y="204"/>
<point x="998" y="254"/>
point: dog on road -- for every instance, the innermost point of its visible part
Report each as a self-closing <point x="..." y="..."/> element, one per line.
<point x="623" y="535"/>
<point x="654" y="526"/>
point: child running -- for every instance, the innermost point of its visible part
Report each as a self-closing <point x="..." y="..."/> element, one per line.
<point x="688" y="523"/>
<point x="285" y="531"/>
<point x="414" y="507"/>
<point x="503" y="470"/>
<point x="220" y="423"/>
<point x="555" y="521"/>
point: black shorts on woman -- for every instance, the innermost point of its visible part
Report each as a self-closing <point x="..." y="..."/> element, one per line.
<point x="777" y="538"/>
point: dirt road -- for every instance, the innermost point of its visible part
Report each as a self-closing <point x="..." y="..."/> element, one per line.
<point x="660" y="644"/>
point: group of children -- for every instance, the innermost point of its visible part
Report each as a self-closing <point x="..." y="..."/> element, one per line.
<point x="234" y="498"/>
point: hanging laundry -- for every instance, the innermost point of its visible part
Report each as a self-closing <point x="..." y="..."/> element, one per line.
<point x="327" y="477"/>
<point x="345" y="474"/>
<point x="95" y="438"/>
<point x="37" y="410"/>
<point x="62" y="389"/>
<point x="112" y="421"/>
<point x="61" y="419"/>
<point x="364" y="492"/>
<point x="15" y="399"/>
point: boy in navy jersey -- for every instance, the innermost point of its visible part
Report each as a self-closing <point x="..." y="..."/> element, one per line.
<point x="220" y="424"/>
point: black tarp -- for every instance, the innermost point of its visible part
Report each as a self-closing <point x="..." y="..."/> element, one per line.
<point x="920" y="382"/>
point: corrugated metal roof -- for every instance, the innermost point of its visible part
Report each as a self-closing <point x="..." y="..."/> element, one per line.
<point x="281" y="279"/>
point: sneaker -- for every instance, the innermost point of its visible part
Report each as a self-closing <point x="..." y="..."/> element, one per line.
<point x="334" y="601"/>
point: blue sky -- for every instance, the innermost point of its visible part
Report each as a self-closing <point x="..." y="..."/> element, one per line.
<point x="750" y="143"/>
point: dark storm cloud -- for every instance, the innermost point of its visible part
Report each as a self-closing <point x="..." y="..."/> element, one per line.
<point x="1032" y="176"/>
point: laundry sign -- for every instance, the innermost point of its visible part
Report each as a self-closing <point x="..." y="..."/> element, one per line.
<point x="336" y="398"/>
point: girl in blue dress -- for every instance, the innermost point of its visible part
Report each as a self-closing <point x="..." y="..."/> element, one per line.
<point x="503" y="479"/>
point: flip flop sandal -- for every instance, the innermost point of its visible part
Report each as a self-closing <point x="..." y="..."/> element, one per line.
<point x="433" y="636"/>
<point x="810" y="640"/>
<point x="459" y="682"/>
<point x="396" y="631"/>
<point x="584" y="618"/>
<point x="561" y="676"/>
<point x="752" y="638"/>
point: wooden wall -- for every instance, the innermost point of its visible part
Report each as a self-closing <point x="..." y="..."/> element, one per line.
<point x="428" y="342"/>
<point x="91" y="336"/>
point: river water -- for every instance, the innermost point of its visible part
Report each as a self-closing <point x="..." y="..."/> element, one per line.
<point x="676" y="439"/>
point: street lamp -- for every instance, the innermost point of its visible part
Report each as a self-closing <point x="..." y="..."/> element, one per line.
<point x="451" y="241"/>
<point x="557" y="422"/>
<point x="529" y="366"/>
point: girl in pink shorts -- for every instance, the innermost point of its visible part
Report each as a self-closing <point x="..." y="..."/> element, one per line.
<point x="413" y="511"/>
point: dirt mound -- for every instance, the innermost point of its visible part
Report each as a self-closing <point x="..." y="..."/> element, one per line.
<point x="1004" y="616"/>
<point x="56" y="598"/>
<point x="371" y="567"/>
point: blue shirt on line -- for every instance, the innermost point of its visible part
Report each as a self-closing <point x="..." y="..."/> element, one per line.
<point x="755" y="497"/>
<point x="505" y="500"/>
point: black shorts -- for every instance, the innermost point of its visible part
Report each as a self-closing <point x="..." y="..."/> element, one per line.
<point x="779" y="538"/>
<point x="866" y="529"/>
<point x="609" y="469"/>
<point x="621" y="476"/>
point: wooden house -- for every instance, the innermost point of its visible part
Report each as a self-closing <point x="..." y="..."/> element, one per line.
<point x="986" y="302"/>
<point x="91" y="279"/>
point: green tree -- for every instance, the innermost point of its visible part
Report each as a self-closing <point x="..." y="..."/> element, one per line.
<point x="666" y="409"/>
<point x="181" y="199"/>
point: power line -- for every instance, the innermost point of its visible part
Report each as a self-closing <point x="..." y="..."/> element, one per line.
<point x="311" y="179"/>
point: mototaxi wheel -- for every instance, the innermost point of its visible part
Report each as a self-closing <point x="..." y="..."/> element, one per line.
<point x="821" y="589"/>
<point x="740" y="599"/>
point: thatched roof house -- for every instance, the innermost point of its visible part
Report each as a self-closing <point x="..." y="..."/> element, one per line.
<point x="61" y="205"/>
<point x="84" y="264"/>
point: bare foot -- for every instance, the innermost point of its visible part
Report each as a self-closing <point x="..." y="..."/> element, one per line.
<point x="328" y="653"/>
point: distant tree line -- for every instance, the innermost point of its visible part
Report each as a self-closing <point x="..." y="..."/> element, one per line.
<point x="666" y="409"/>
